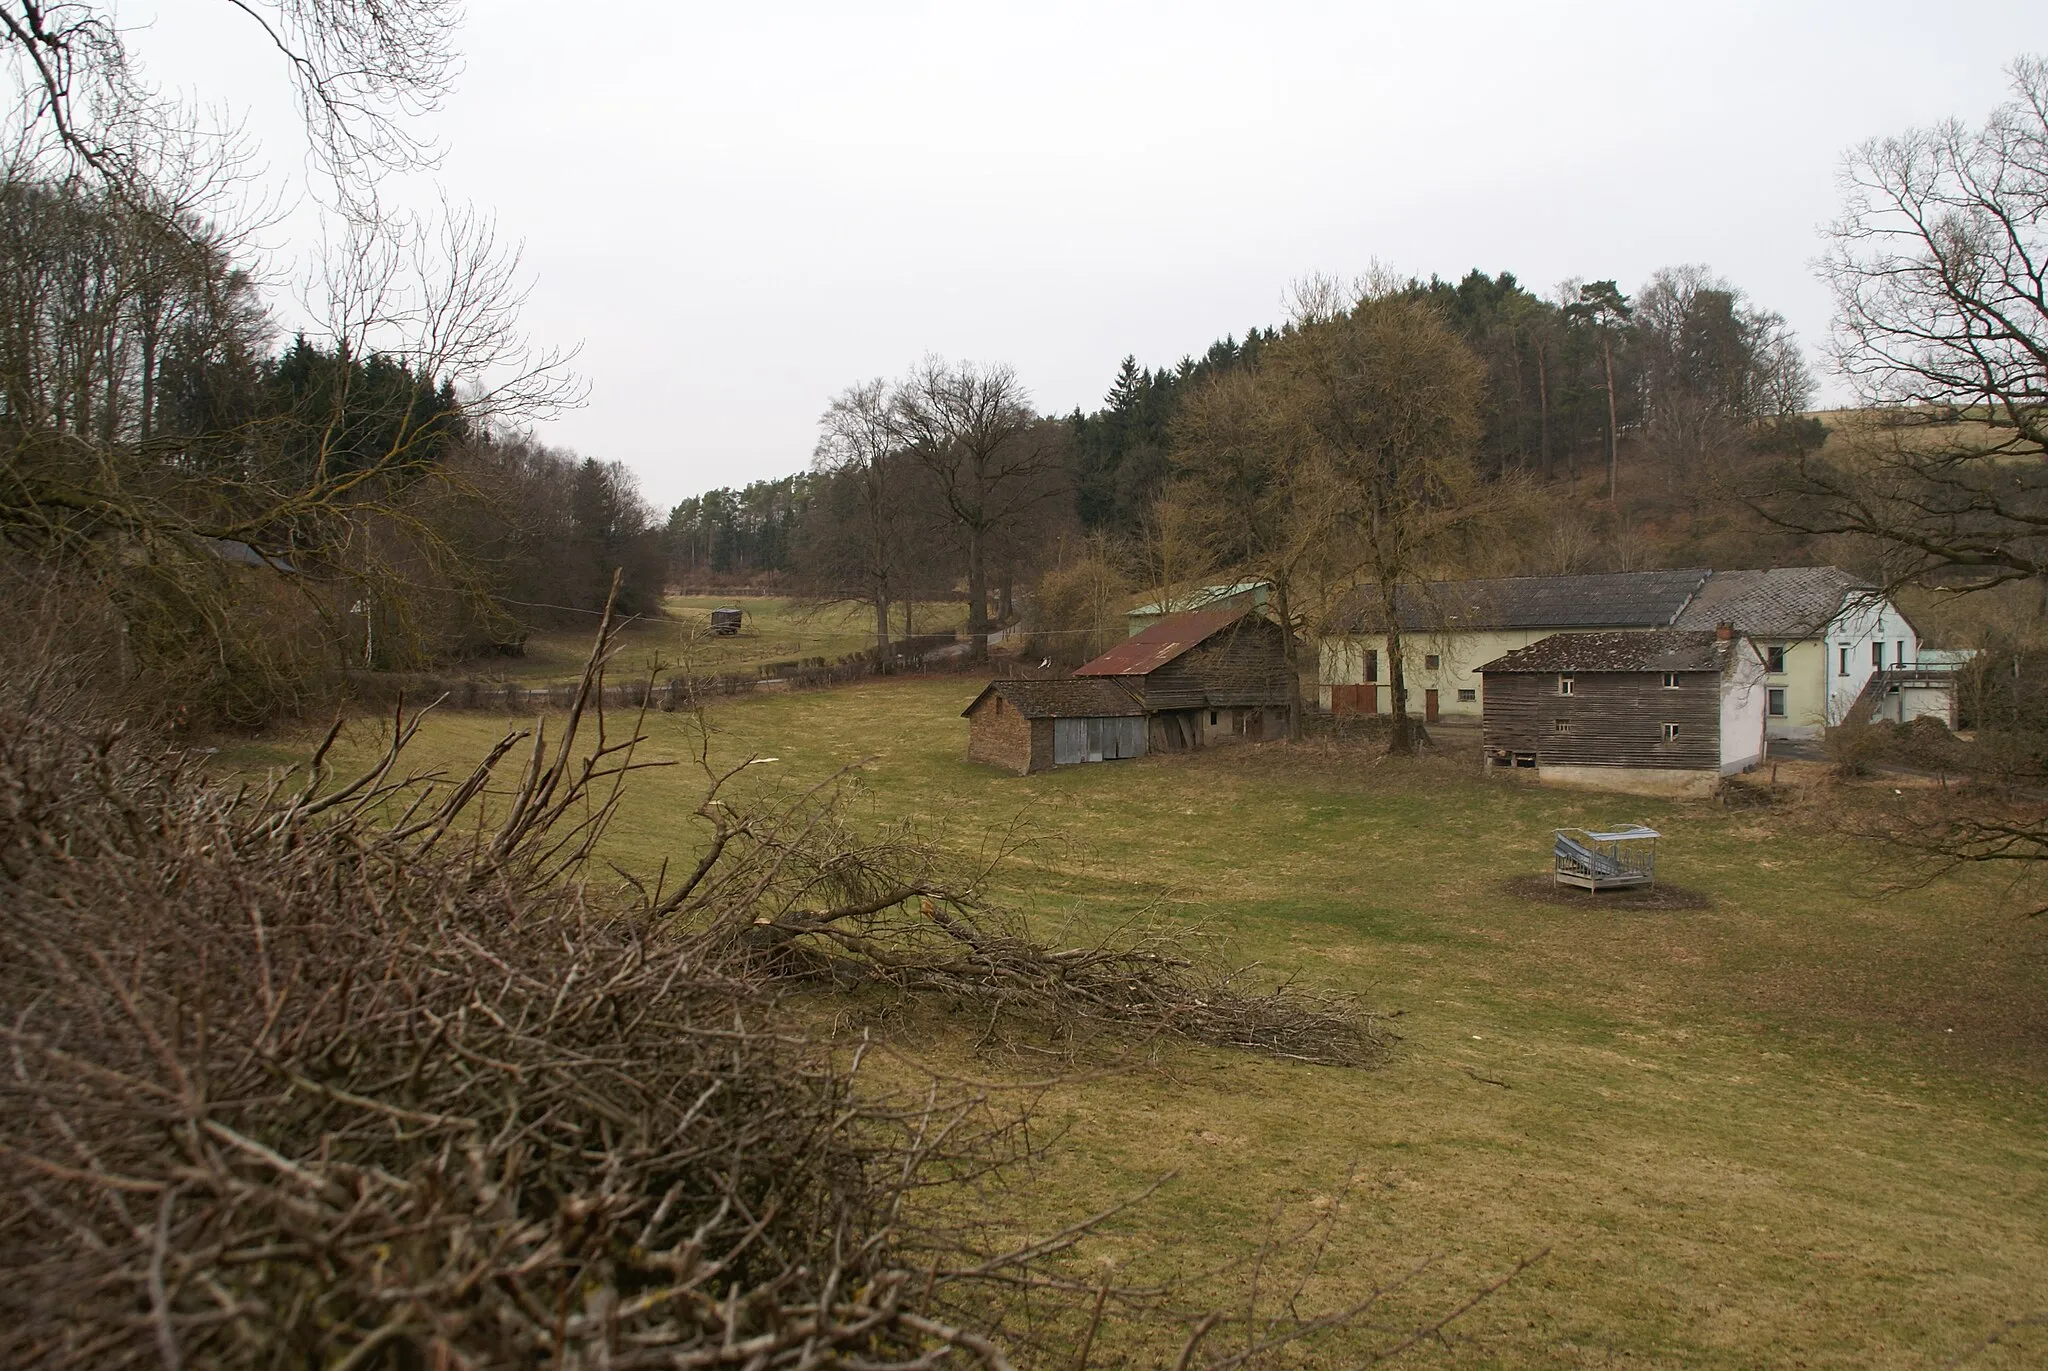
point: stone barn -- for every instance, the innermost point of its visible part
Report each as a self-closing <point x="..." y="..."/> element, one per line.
<point x="1203" y="678"/>
<point x="1027" y="726"/>
<point x="1666" y="712"/>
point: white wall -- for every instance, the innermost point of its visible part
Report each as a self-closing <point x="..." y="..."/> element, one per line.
<point x="1743" y="705"/>
<point x="1862" y="622"/>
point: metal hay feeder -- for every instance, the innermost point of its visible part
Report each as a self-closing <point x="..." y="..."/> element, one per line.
<point x="1606" y="861"/>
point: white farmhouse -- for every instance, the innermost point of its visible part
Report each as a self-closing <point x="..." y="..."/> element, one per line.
<point x="1824" y="635"/>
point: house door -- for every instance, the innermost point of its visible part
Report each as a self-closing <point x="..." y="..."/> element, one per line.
<point x="1429" y="706"/>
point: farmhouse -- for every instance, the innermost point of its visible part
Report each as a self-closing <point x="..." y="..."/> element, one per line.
<point x="1826" y="637"/>
<point x="1667" y="711"/>
<point x="1203" y="677"/>
<point x="1028" y="726"/>
<point x="1451" y="628"/>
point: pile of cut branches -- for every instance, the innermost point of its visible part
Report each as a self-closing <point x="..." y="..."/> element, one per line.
<point x="806" y="896"/>
<point x="366" y="1075"/>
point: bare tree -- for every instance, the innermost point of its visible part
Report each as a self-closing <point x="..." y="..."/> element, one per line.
<point x="1388" y="397"/>
<point x="993" y="460"/>
<point x="857" y="445"/>
<point x="1939" y="266"/>
<point x="1256" y="495"/>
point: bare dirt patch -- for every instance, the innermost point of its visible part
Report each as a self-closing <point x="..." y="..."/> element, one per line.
<point x="1541" y="889"/>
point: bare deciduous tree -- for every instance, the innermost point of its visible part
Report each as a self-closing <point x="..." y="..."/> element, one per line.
<point x="993" y="459"/>
<point x="1388" y="397"/>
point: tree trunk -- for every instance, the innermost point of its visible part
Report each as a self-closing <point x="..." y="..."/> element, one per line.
<point x="1290" y="654"/>
<point x="977" y="595"/>
<point x="1543" y="410"/>
<point x="1613" y="437"/>
<point x="881" y="625"/>
<point x="1401" y="741"/>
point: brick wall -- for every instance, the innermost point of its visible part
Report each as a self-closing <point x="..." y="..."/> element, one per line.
<point x="1003" y="737"/>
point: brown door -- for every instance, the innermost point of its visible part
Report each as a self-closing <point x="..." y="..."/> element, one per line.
<point x="1429" y="706"/>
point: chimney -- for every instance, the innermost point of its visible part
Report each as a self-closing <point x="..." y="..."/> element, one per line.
<point x="1724" y="630"/>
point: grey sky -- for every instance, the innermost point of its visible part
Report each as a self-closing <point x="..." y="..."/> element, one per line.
<point x="740" y="209"/>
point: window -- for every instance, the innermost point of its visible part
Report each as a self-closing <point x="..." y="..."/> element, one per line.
<point x="1212" y="718"/>
<point x="1560" y="725"/>
<point x="1899" y="656"/>
<point x="1877" y="655"/>
<point x="1844" y="669"/>
<point x="1777" y="706"/>
<point x="1466" y="697"/>
<point x="1774" y="660"/>
<point x="1564" y="685"/>
<point x="1671" y="680"/>
<point x="1670" y="733"/>
<point x="1372" y="664"/>
<point x="999" y="704"/>
<point x="1431" y="662"/>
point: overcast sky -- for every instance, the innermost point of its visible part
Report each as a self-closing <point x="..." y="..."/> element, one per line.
<point x="737" y="210"/>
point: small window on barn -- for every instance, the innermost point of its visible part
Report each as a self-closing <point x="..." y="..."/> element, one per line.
<point x="1777" y="705"/>
<point x="1372" y="664"/>
<point x="1430" y="662"/>
<point x="1877" y="655"/>
<point x="1466" y="697"/>
<point x="1843" y="669"/>
<point x="1560" y="725"/>
<point x="1774" y="660"/>
<point x="1670" y="733"/>
<point x="1564" y="685"/>
<point x="999" y="705"/>
<point x="1212" y="718"/>
<point x="1671" y="680"/>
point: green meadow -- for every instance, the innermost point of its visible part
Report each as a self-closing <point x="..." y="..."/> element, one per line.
<point x="1804" y="1126"/>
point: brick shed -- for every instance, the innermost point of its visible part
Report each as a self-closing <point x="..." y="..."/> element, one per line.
<point x="1027" y="726"/>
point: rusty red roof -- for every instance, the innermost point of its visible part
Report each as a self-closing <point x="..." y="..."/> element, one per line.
<point x="1144" y="653"/>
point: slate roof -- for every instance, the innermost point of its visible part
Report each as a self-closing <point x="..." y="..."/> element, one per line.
<point x="1616" y="599"/>
<point x="1143" y="653"/>
<point x="1063" y="699"/>
<point x="1663" y="649"/>
<point x="1786" y="602"/>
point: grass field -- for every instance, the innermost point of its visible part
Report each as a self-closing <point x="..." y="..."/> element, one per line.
<point x="774" y="630"/>
<point x="1804" y="1127"/>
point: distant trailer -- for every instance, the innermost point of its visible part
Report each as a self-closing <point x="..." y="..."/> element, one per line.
<point x="726" y="622"/>
<point x="1606" y="861"/>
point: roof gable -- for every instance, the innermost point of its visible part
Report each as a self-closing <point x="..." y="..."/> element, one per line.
<point x="1170" y="638"/>
<point x="1781" y="602"/>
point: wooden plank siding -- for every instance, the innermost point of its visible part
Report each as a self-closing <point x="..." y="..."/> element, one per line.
<point x="1615" y="718"/>
<point x="1243" y="666"/>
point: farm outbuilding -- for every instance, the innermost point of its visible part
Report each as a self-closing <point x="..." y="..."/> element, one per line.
<point x="1668" y="711"/>
<point x="1027" y="726"/>
<point x="1203" y="678"/>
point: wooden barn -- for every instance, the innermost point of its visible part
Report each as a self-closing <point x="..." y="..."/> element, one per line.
<point x="1669" y="711"/>
<point x="1028" y="726"/>
<point x="1203" y="677"/>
